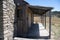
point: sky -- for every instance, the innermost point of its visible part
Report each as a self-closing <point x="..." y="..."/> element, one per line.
<point x="48" y="3"/>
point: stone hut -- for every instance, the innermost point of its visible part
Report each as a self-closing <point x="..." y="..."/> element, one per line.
<point x="16" y="17"/>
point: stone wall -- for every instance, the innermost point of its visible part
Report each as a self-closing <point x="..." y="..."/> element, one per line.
<point x="1" y="20"/>
<point x="8" y="19"/>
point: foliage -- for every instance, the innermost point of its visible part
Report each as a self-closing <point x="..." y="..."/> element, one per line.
<point x="55" y="13"/>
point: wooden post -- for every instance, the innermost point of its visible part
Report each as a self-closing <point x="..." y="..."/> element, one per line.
<point x="24" y="27"/>
<point x="42" y="19"/>
<point x="49" y="24"/>
<point x="45" y="21"/>
<point x="32" y="18"/>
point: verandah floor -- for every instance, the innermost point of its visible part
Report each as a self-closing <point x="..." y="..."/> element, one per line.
<point x="37" y="31"/>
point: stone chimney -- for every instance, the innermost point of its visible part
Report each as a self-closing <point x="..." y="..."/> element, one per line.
<point x="18" y="2"/>
<point x="7" y="10"/>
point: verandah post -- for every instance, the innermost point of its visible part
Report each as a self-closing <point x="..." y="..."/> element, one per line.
<point x="45" y="21"/>
<point x="49" y="24"/>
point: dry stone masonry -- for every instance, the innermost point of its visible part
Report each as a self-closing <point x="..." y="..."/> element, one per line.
<point x="7" y="12"/>
<point x="1" y="20"/>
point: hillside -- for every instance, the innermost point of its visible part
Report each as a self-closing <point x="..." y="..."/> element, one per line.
<point x="56" y="13"/>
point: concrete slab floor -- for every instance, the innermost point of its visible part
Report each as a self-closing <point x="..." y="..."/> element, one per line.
<point x="38" y="30"/>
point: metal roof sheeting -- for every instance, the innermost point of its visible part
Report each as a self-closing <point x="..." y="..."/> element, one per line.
<point x="39" y="9"/>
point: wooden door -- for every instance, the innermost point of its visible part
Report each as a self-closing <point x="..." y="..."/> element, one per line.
<point x="19" y="23"/>
<point x="22" y="27"/>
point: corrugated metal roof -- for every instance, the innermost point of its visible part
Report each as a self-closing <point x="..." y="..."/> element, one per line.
<point x="39" y="9"/>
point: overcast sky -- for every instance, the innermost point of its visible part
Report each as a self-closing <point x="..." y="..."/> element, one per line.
<point x="49" y="3"/>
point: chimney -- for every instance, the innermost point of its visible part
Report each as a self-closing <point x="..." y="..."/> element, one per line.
<point x="18" y="2"/>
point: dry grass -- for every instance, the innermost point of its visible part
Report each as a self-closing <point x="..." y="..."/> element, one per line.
<point x="55" y="26"/>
